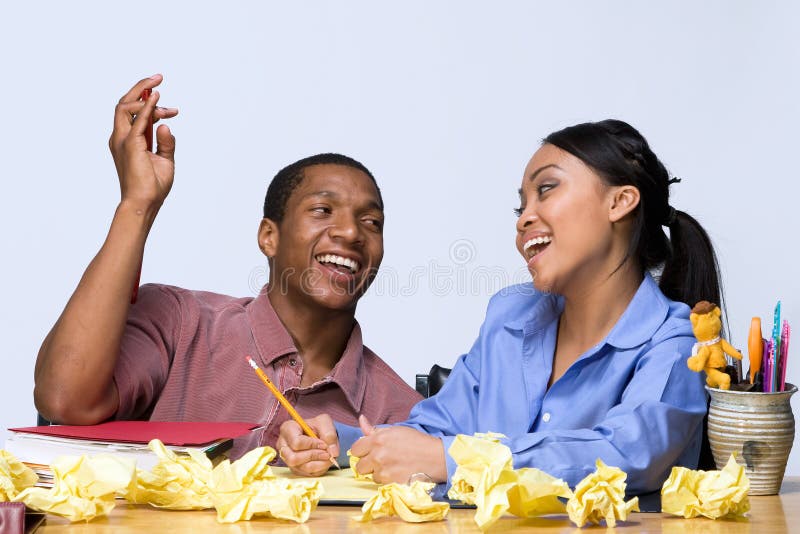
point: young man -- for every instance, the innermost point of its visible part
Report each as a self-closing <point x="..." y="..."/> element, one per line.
<point x="180" y="355"/>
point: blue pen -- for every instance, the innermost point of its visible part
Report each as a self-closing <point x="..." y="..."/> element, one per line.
<point x="773" y="362"/>
<point x="776" y="347"/>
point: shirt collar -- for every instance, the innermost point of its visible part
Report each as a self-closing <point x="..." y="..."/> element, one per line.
<point x="640" y="321"/>
<point x="271" y="337"/>
<point x="349" y="372"/>
<point x="544" y="311"/>
<point x="642" y="318"/>
<point x="273" y="341"/>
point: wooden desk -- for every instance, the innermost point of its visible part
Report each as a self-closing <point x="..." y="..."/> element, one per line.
<point x="773" y="514"/>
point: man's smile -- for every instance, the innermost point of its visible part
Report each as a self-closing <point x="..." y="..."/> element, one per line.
<point x="338" y="262"/>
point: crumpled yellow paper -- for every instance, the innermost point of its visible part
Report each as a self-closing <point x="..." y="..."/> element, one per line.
<point x="486" y="478"/>
<point x="14" y="476"/>
<point x="712" y="494"/>
<point x="536" y="493"/>
<point x="254" y="465"/>
<point x="238" y="490"/>
<point x="83" y="487"/>
<point x="412" y="503"/>
<point x="601" y="495"/>
<point x="353" y="462"/>
<point x="177" y="482"/>
<point x="481" y="462"/>
<point x="279" y="498"/>
<point x="247" y="488"/>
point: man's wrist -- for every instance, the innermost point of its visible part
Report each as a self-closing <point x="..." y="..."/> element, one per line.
<point x="139" y="207"/>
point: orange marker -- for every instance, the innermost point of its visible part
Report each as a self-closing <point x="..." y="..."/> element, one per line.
<point x="289" y="408"/>
<point x="755" y="347"/>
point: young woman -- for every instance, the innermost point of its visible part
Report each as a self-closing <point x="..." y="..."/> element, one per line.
<point x="588" y="361"/>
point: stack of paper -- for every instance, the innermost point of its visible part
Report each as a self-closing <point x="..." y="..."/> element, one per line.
<point x="38" y="446"/>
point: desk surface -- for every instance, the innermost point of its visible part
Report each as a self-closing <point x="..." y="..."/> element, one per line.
<point x="773" y="514"/>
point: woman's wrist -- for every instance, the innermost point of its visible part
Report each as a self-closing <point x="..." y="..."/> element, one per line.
<point x="437" y="469"/>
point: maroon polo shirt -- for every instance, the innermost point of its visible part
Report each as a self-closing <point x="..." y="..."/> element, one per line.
<point x="183" y="359"/>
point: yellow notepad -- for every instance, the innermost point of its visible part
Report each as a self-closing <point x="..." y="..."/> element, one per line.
<point x="340" y="485"/>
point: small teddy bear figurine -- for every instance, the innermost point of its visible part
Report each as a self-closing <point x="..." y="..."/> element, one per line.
<point x="708" y="354"/>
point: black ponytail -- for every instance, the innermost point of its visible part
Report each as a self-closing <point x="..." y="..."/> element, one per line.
<point x="622" y="156"/>
<point x="691" y="272"/>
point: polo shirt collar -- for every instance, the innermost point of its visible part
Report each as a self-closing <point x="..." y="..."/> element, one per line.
<point x="271" y="337"/>
<point x="273" y="341"/>
<point x="349" y="372"/>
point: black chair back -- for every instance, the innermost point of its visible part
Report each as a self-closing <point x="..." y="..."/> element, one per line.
<point x="431" y="383"/>
<point x="41" y="421"/>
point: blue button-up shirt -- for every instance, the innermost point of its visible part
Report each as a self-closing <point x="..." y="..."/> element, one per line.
<point x="630" y="400"/>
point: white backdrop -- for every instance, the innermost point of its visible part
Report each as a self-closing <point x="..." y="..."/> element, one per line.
<point x="443" y="101"/>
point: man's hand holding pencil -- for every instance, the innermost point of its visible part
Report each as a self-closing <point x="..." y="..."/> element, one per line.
<point x="319" y="441"/>
<point x="305" y="455"/>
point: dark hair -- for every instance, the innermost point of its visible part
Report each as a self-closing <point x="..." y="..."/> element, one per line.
<point x="621" y="156"/>
<point x="288" y="178"/>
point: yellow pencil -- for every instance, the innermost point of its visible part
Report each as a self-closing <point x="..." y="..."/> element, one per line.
<point x="289" y="408"/>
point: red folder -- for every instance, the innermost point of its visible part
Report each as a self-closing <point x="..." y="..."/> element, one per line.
<point x="170" y="433"/>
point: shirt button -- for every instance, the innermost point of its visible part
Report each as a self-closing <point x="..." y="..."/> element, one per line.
<point x="546" y="417"/>
<point x="292" y="362"/>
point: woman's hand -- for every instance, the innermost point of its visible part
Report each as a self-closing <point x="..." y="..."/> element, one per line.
<point x="305" y="455"/>
<point x="393" y="454"/>
<point x="144" y="177"/>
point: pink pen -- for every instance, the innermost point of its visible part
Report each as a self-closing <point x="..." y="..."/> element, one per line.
<point x="785" y="333"/>
<point x="768" y="370"/>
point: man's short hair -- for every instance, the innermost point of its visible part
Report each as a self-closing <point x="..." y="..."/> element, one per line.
<point x="288" y="178"/>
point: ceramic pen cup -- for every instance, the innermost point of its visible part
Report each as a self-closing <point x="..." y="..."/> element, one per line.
<point x="758" y="429"/>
